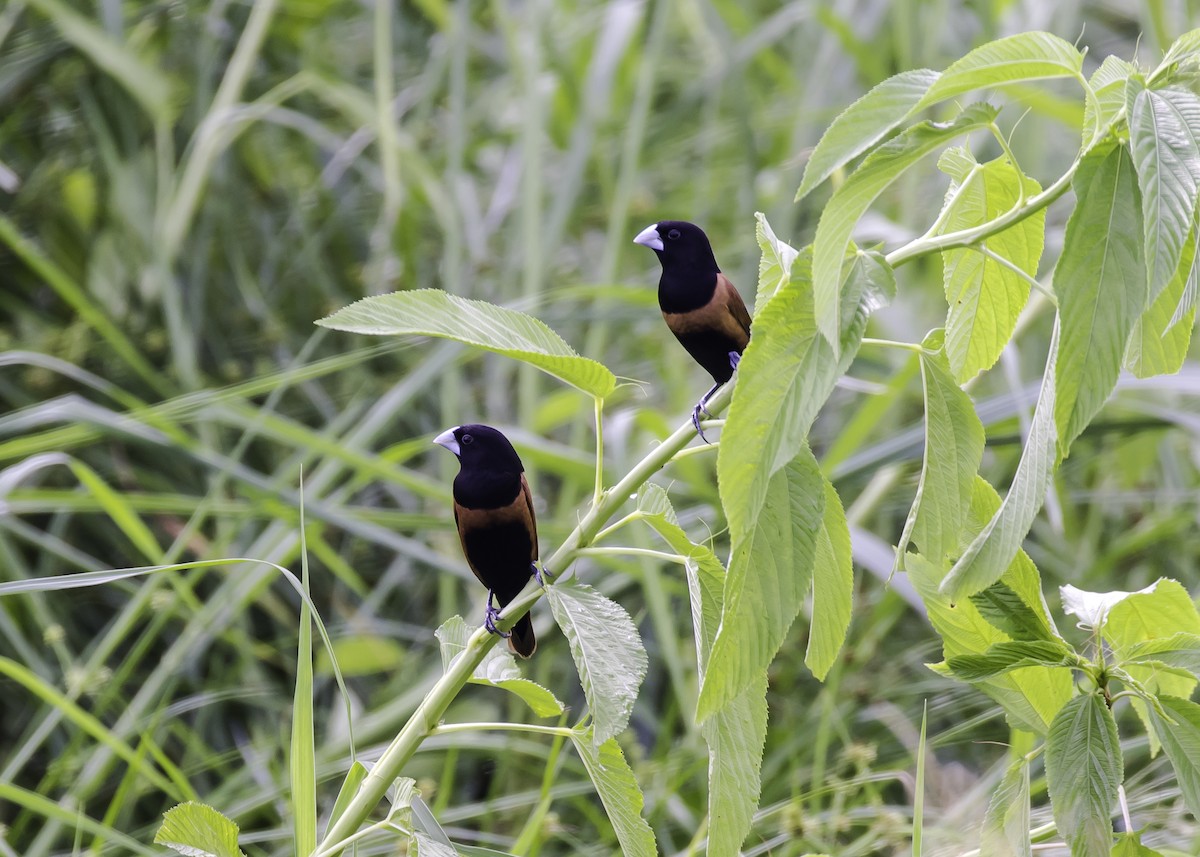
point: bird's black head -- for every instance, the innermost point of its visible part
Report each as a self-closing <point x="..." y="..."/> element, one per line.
<point x="481" y="447"/>
<point x="681" y="246"/>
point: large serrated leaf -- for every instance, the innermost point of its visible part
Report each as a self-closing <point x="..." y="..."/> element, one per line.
<point x="1166" y="154"/>
<point x="1083" y="770"/>
<point x="1015" y="59"/>
<point x="953" y="450"/>
<point x="864" y="123"/>
<point x="993" y="549"/>
<point x="1181" y="741"/>
<point x="498" y="669"/>
<point x="618" y="790"/>
<point x="608" y="653"/>
<point x="1001" y="606"/>
<point x="985" y="296"/>
<point x="770" y="569"/>
<point x="1006" y="825"/>
<point x="1108" y="83"/>
<point x="1100" y="281"/>
<point x="850" y="201"/>
<point x="1159" y="342"/>
<point x="833" y="586"/>
<point x="1178" y="651"/>
<point x="198" y="830"/>
<point x="1008" y="656"/>
<point x="432" y="312"/>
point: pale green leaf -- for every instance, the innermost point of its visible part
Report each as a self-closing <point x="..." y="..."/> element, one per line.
<point x="1185" y="310"/>
<point x="1001" y="606"/>
<point x="1108" y="83"/>
<point x="427" y="846"/>
<point x="1100" y="281"/>
<point x="985" y="296"/>
<point x="775" y="264"/>
<point x="432" y="312"/>
<point x="850" y="201"/>
<point x="864" y="123"/>
<point x="993" y="549"/>
<point x="786" y="374"/>
<point x="1015" y="59"/>
<point x="363" y="654"/>
<point x="833" y="587"/>
<point x="302" y="761"/>
<point x="1159" y="611"/>
<point x="1159" y="344"/>
<point x="1179" y="651"/>
<point x="198" y="830"/>
<point x="652" y="501"/>
<point x="953" y="450"/>
<point x="498" y="669"/>
<point x="1184" y="51"/>
<point x="1005" y="657"/>
<point x="117" y="507"/>
<point x="618" y="790"/>
<point x="770" y="569"/>
<point x="608" y="653"/>
<point x="347" y="791"/>
<point x="1083" y="770"/>
<point x="1166" y="155"/>
<point x="1006" y="825"/>
<point x="1130" y="845"/>
<point x="1181" y="741"/>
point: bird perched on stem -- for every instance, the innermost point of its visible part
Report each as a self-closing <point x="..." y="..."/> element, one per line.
<point x="493" y="509"/>
<point x="699" y="304"/>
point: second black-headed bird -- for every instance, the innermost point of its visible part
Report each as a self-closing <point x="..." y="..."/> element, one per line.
<point x="699" y="304"/>
<point x="493" y="509"/>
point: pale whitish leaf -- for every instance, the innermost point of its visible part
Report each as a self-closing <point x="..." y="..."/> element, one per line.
<point x="786" y="374"/>
<point x="993" y="549"/>
<point x="850" y="201"/>
<point x="1108" y="83"/>
<point x="198" y="830"/>
<point x="833" y="586"/>
<point x="1180" y="650"/>
<point x="1006" y="825"/>
<point x="953" y="450"/>
<point x="1158" y="345"/>
<point x="864" y="123"/>
<point x="608" y="653"/>
<point x="775" y="264"/>
<point x="1166" y="155"/>
<point x="1092" y="608"/>
<point x="770" y="570"/>
<point x="1015" y="59"/>
<point x="618" y="790"/>
<point x="652" y="500"/>
<point x="427" y="846"/>
<point x="498" y="669"/>
<point x="1181" y="741"/>
<point x="985" y="296"/>
<point x="736" y="734"/>
<point x="1100" y="281"/>
<point x="432" y="312"/>
<point x="1008" y="656"/>
<point x="401" y="793"/>
<point x="1083" y="771"/>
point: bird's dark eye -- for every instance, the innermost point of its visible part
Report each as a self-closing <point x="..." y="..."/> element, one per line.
<point x="466" y="438"/>
<point x="674" y="233"/>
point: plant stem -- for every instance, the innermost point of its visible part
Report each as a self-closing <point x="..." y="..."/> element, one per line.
<point x="665" y="556"/>
<point x="599" y="452"/>
<point x="451" y="728"/>
<point x="425" y="719"/>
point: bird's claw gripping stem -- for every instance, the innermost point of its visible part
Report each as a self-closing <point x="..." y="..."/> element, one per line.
<point x="490" y="617"/>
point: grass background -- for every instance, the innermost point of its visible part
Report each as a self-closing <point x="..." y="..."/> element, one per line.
<point x="185" y="188"/>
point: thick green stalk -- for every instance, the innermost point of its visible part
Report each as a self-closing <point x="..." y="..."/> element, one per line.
<point x="425" y="719"/>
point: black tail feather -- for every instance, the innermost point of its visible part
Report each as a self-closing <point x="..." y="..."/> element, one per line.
<point x="523" y="642"/>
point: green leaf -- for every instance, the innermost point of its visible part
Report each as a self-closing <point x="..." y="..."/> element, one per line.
<point x="1006" y="610"/>
<point x="775" y="264"/>
<point x="953" y="450"/>
<point x="498" y="669"/>
<point x="1020" y="58"/>
<point x="1183" y="52"/>
<point x="1181" y="741"/>
<point x="363" y="654"/>
<point x="1108" y="83"/>
<point x="302" y="761"/>
<point x="349" y="788"/>
<point x="1166" y="155"/>
<point x="198" y="830"/>
<point x="1179" y="651"/>
<point x="432" y="312"/>
<point x="608" y="653"/>
<point x="1083" y="771"/>
<point x="769" y="573"/>
<point x="735" y="735"/>
<point x="993" y="549"/>
<point x="786" y="374"/>
<point x="833" y="586"/>
<point x="1100" y="281"/>
<point x="864" y="123"/>
<point x="1005" y="657"/>
<point x="985" y="296"/>
<point x="1130" y="845"/>
<point x="850" y="201"/>
<point x="1159" y="344"/>
<point x="618" y="790"/>
<point x="427" y="846"/>
<point x="1006" y="825"/>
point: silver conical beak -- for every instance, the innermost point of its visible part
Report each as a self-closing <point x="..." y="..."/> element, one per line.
<point x="649" y="237"/>
<point x="447" y="440"/>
